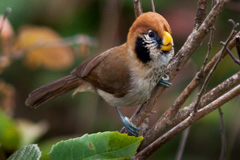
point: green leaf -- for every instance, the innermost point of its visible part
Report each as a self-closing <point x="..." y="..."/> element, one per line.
<point x="107" y="145"/>
<point x="47" y="145"/>
<point x="29" y="152"/>
<point x="9" y="134"/>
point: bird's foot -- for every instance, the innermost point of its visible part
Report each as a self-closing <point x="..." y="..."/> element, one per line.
<point x="164" y="81"/>
<point x="131" y="128"/>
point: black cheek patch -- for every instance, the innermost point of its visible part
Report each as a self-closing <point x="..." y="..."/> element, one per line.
<point x="142" y="52"/>
<point x="159" y="42"/>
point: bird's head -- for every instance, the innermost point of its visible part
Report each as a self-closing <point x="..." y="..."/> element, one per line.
<point x="150" y="34"/>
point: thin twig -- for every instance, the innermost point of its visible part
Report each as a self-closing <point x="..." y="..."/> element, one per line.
<point x="200" y="93"/>
<point x="223" y="136"/>
<point x="238" y="49"/>
<point x="153" y="6"/>
<point x="209" y="49"/>
<point x="145" y="153"/>
<point x="137" y="7"/>
<point x="6" y="13"/>
<point x="182" y="144"/>
<point x="237" y="61"/>
<point x="205" y="63"/>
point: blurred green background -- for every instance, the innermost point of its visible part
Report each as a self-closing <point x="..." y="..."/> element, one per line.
<point x="107" y="22"/>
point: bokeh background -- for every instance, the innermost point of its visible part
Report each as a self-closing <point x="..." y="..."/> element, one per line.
<point x="46" y="39"/>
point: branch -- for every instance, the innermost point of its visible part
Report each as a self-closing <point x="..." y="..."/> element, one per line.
<point x="193" y="42"/>
<point x="165" y="123"/>
<point x="137" y="7"/>
<point x="187" y="122"/>
<point x="201" y="13"/>
<point x="197" y="80"/>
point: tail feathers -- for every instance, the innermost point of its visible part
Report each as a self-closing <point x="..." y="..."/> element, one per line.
<point x="52" y="90"/>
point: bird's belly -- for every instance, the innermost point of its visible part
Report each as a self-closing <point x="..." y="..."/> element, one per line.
<point x="139" y="94"/>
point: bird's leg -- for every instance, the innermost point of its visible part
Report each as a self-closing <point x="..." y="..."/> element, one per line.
<point x="131" y="128"/>
<point x="164" y="81"/>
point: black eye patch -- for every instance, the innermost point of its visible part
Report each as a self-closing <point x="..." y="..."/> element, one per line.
<point x="142" y="52"/>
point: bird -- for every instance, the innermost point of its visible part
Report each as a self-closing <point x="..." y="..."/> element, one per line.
<point x="124" y="75"/>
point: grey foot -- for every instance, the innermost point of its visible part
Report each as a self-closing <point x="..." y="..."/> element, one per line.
<point x="164" y="81"/>
<point x="131" y="128"/>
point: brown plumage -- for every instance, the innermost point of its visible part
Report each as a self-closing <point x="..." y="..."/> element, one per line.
<point x="52" y="90"/>
<point x="99" y="71"/>
<point x="124" y="75"/>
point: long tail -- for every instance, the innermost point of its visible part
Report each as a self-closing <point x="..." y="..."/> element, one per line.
<point x="52" y="90"/>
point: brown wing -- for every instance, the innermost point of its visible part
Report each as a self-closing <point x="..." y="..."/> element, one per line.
<point x="107" y="71"/>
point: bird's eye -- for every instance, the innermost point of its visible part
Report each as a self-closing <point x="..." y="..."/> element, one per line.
<point x="151" y="33"/>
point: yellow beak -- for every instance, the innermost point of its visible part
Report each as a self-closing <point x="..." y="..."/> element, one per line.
<point x="167" y="42"/>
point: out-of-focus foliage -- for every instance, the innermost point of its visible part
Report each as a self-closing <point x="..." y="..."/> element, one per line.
<point x="31" y="132"/>
<point x="15" y="134"/>
<point x="9" y="134"/>
<point x="7" y="97"/>
<point x="43" y="47"/>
